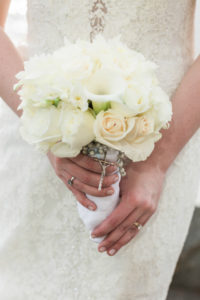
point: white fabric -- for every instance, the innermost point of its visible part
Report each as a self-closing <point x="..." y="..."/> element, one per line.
<point x="105" y="205"/>
<point x="45" y="252"/>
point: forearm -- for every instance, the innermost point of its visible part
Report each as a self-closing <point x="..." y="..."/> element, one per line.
<point x="185" y="120"/>
<point x="4" y="6"/>
<point x="10" y="64"/>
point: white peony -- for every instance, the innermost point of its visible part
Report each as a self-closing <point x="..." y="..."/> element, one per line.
<point x="42" y="81"/>
<point x="74" y="63"/>
<point x="125" y="59"/>
<point x="99" y="51"/>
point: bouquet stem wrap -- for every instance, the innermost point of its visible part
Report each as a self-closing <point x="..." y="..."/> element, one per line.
<point x="105" y="205"/>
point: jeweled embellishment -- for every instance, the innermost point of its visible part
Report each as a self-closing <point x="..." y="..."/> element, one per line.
<point x="98" y="151"/>
<point x="97" y="18"/>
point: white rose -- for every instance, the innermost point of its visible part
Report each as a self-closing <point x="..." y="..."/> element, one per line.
<point x="136" y="99"/>
<point x="41" y="126"/>
<point x="77" y="131"/>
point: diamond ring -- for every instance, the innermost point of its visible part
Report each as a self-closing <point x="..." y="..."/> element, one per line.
<point x="70" y="181"/>
<point x="138" y="225"/>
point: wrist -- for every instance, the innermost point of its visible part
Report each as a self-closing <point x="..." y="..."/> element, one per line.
<point x="150" y="165"/>
<point x="160" y="159"/>
<point x="164" y="153"/>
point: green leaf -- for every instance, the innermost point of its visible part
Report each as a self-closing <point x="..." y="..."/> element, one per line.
<point x="92" y="112"/>
<point x="99" y="106"/>
<point x="56" y="102"/>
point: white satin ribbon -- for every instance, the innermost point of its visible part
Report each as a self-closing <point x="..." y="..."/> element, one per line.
<point x="105" y="205"/>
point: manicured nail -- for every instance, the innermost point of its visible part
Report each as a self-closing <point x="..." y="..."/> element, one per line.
<point x="112" y="251"/>
<point x="102" y="249"/>
<point x="110" y="192"/>
<point x="91" y="207"/>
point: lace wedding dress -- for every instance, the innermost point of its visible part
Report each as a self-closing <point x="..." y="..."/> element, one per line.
<point x="45" y="250"/>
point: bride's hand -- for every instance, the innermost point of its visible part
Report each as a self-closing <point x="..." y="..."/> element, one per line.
<point x="86" y="172"/>
<point x="140" y="192"/>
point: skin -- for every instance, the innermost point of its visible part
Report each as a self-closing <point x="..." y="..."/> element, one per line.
<point x="4" y="6"/>
<point x="141" y="188"/>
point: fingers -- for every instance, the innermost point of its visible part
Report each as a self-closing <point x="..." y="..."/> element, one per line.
<point x="144" y="218"/>
<point x="87" y="189"/>
<point x="81" y="197"/>
<point x="89" y="163"/>
<point x="85" y="176"/>
<point x="120" y="230"/>
<point x="128" y="236"/>
<point x="121" y="213"/>
<point x="125" y="239"/>
<point x="114" y="219"/>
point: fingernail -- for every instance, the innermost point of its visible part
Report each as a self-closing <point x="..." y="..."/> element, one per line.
<point x="116" y="178"/>
<point x="93" y="235"/>
<point x="91" y="207"/>
<point x="110" y="192"/>
<point x="102" y="249"/>
<point x="112" y="251"/>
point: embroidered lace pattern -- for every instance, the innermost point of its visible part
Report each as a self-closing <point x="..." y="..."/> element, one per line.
<point x="97" y="19"/>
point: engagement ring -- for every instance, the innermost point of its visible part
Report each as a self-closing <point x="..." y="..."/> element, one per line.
<point x="70" y="181"/>
<point x="138" y="225"/>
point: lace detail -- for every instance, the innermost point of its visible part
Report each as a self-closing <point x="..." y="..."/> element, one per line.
<point x="45" y="251"/>
<point x="97" y="19"/>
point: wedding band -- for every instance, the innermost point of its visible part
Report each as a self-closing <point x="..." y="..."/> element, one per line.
<point x="138" y="225"/>
<point x="70" y="181"/>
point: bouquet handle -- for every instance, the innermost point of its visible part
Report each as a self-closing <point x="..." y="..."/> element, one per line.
<point x="105" y="205"/>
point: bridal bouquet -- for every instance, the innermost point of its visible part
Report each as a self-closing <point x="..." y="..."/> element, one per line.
<point x="101" y="98"/>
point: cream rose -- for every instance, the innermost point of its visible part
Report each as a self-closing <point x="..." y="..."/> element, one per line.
<point x="112" y="125"/>
<point x="132" y="135"/>
<point x="144" y="127"/>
